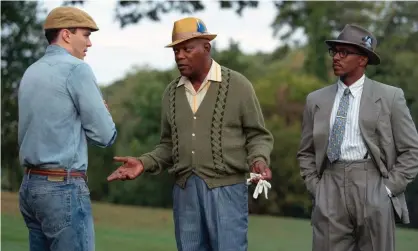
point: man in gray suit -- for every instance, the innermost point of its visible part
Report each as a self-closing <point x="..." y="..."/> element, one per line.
<point x="358" y="152"/>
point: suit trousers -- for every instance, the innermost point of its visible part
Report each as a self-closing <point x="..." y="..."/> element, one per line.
<point x="210" y="219"/>
<point x="352" y="209"/>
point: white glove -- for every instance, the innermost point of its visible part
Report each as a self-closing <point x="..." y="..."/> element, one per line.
<point x="261" y="185"/>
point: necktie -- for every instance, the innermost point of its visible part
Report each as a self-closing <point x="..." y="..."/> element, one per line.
<point x="338" y="129"/>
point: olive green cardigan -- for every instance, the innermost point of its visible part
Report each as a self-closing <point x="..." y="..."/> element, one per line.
<point x="219" y="142"/>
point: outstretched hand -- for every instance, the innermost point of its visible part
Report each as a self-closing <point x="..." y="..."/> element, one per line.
<point x="130" y="169"/>
<point x="261" y="168"/>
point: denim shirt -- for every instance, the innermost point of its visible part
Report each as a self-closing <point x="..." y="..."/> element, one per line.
<point x="61" y="108"/>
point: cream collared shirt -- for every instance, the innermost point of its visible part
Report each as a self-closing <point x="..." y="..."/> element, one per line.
<point x="194" y="97"/>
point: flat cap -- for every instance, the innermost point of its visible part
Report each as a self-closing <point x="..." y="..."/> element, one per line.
<point x="69" y="17"/>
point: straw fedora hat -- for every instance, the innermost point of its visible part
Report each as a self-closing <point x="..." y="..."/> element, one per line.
<point x="359" y="37"/>
<point x="188" y="28"/>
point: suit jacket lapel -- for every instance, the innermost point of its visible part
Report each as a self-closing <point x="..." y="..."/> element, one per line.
<point x="322" y="122"/>
<point x="369" y="110"/>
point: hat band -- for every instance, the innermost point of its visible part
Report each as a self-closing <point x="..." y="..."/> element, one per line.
<point x="186" y="35"/>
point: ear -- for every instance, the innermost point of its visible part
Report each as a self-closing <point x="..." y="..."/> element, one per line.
<point x="364" y="61"/>
<point x="207" y="47"/>
<point x="65" y="35"/>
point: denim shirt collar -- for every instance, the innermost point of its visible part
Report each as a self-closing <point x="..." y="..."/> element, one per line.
<point x="56" y="49"/>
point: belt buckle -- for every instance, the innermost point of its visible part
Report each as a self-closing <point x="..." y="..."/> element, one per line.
<point x="55" y="178"/>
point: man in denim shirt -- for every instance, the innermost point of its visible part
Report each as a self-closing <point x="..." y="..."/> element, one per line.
<point x="60" y="109"/>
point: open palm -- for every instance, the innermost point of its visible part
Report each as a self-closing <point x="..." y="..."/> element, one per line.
<point x="130" y="169"/>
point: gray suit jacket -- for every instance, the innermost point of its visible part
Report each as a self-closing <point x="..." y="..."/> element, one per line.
<point x="388" y="131"/>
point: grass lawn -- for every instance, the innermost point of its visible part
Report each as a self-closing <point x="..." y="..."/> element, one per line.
<point x="147" y="229"/>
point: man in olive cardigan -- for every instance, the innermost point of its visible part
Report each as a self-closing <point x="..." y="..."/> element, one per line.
<point x="212" y="135"/>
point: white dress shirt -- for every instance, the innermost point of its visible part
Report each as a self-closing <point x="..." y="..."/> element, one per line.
<point x="353" y="146"/>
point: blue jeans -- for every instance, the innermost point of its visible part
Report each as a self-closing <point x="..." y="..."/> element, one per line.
<point x="210" y="219"/>
<point x="57" y="213"/>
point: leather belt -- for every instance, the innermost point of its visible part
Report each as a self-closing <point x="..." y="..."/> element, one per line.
<point x="56" y="172"/>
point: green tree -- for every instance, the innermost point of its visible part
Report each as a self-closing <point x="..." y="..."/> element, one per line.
<point x="132" y="12"/>
<point x="22" y="44"/>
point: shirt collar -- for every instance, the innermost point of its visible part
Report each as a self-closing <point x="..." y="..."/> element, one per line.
<point x="355" y="88"/>
<point x="56" y="49"/>
<point x="214" y="75"/>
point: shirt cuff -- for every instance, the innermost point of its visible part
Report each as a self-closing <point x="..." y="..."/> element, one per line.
<point x="258" y="159"/>
<point x="147" y="163"/>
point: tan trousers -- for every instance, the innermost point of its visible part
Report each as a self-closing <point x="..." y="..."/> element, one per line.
<point x="352" y="209"/>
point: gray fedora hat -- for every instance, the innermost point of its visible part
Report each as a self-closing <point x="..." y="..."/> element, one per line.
<point x="359" y="37"/>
